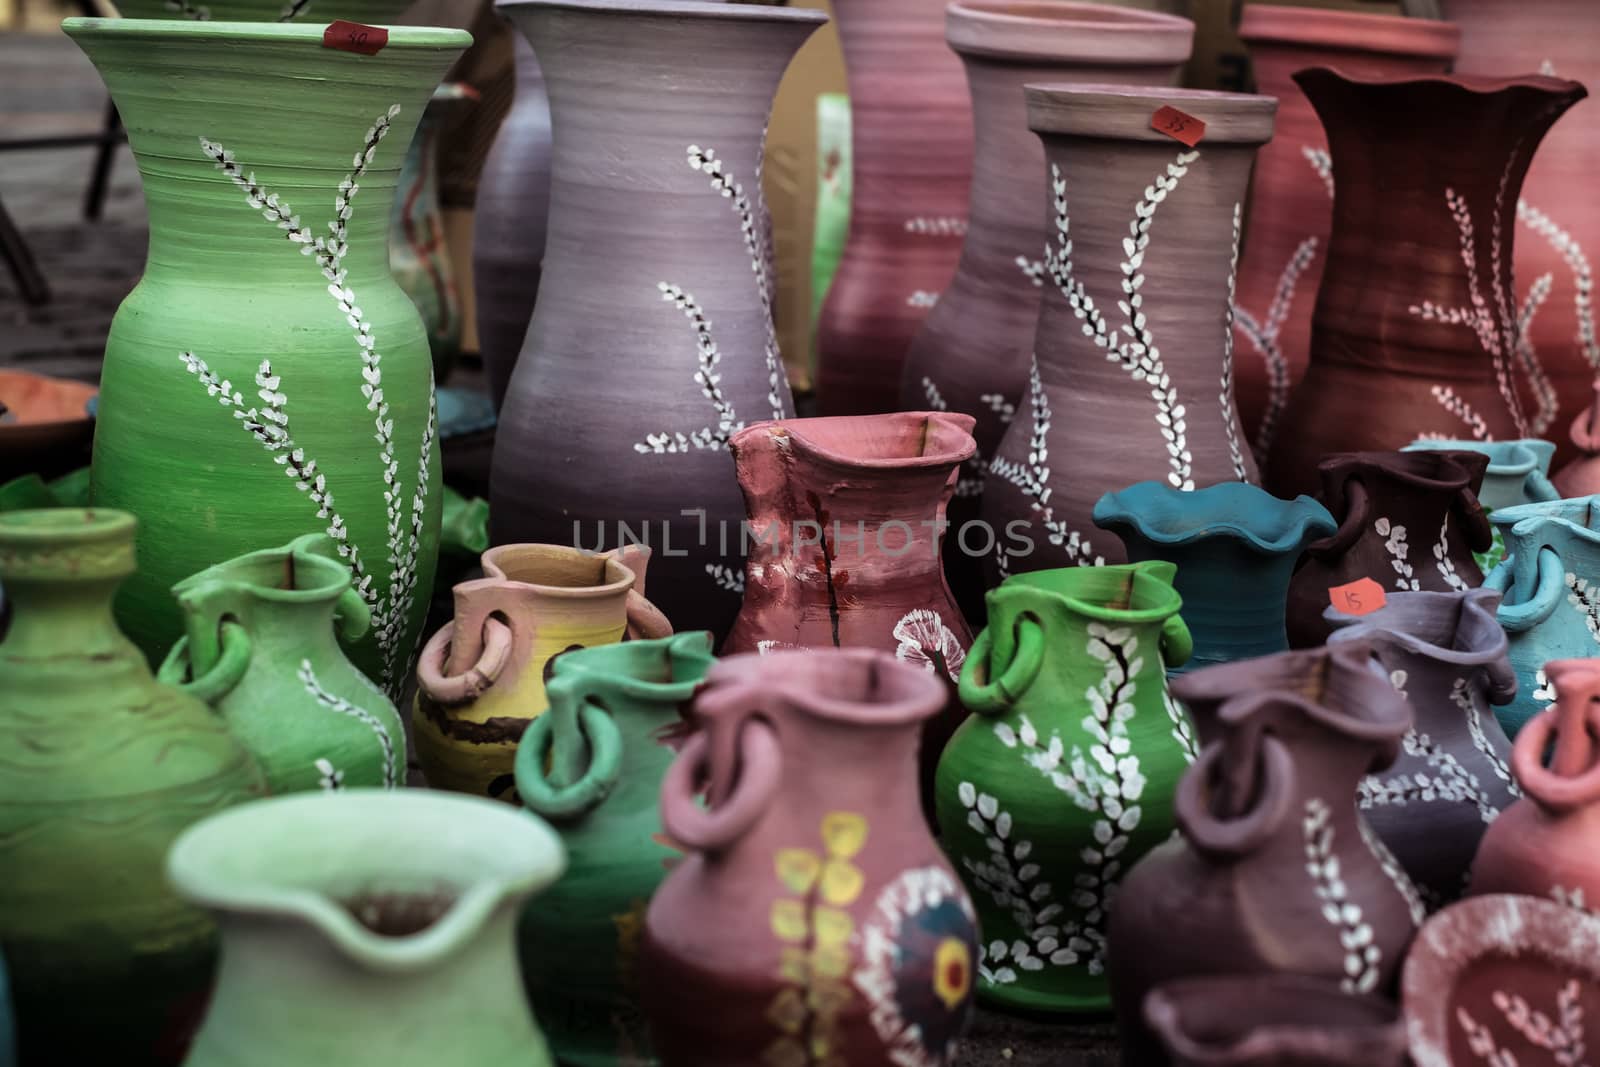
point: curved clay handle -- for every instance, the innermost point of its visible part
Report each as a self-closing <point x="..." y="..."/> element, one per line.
<point x="1177" y="643"/>
<point x="472" y="683"/>
<point x="225" y="673"/>
<point x="716" y="827"/>
<point x="566" y="802"/>
<point x="645" y="620"/>
<point x="1226" y="838"/>
<point x="1475" y="521"/>
<point x="1357" y="511"/>
<point x="1542" y="578"/>
<point x="1000" y="695"/>
<point x="1573" y="780"/>
<point x="1540" y="488"/>
<point x="352" y="615"/>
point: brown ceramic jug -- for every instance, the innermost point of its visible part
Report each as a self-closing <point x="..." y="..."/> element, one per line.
<point x="814" y="920"/>
<point x="1291" y="199"/>
<point x="1132" y="377"/>
<point x="1417" y="329"/>
<point x="1275" y="871"/>
<point x="1409" y="521"/>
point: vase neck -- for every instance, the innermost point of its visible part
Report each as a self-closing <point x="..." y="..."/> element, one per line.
<point x="47" y="617"/>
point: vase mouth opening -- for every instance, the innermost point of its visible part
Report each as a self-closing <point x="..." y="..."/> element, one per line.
<point x="1313" y="80"/>
<point x="1238" y="511"/>
<point x="1119" y="593"/>
<point x="1459" y="628"/>
<point x="900" y="441"/>
<point x="1200" y="1019"/>
<point x="857" y="686"/>
<point x="559" y="570"/>
<point x="306" y="34"/>
<point x="67" y="544"/>
<point x="1123" y="112"/>
<point x="1067" y="31"/>
<point x="1354" y="31"/>
<point x="663" y="670"/>
<point x="1577" y="516"/>
<point x="292" y="574"/>
<point x="1431" y="469"/>
<point x="688" y="9"/>
<point x="1507" y="459"/>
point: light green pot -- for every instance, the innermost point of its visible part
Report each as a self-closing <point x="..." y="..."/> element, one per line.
<point x="306" y="982"/>
<point x="310" y="11"/>
<point x="267" y="378"/>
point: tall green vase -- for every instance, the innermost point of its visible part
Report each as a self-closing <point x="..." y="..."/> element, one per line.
<point x="593" y="766"/>
<point x="1065" y="774"/>
<point x="267" y="377"/>
<point x="101" y="768"/>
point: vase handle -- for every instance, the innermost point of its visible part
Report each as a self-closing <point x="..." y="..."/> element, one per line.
<point x="1000" y="695"/>
<point x="716" y="827"/>
<point x="452" y="689"/>
<point x="1223" y="838"/>
<point x="645" y="620"/>
<point x="1573" y="780"/>
<point x="1177" y="643"/>
<point x="225" y="673"/>
<point x="1543" y="578"/>
<point x="352" y="616"/>
<point x="580" y="797"/>
<point x="1358" y="506"/>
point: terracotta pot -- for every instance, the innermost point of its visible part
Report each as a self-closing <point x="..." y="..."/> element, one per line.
<point x="1581" y="477"/>
<point x="813" y="909"/>
<point x="1446" y="653"/>
<point x="1544" y="845"/>
<point x="508" y="232"/>
<point x="973" y="352"/>
<point x="1557" y="216"/>
<point x="657" y="289"/>
<point x="1291" y="200"/>
<point x="911" y="168"/>
<point x="1415" y="328"/>
<point x="480" y="679"/>
<point x="1408" y="521"/>
<point x="41" y="420"/>
<point x="1275" y="871"/>
<point x="1519" y="473"/>
<point x="1132" y="211"/>
<point x="1273" y="1020"/>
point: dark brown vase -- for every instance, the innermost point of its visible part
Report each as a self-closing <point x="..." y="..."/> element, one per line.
<point x="1132" y="379"/>
<point x="1291" y="199"/>
<point x="652" y="342"/>
<point x="973" y="352"/>
<point x="911" y="166"/>
<point x="1415" y="329"/>
<point x="1408" y="521"/>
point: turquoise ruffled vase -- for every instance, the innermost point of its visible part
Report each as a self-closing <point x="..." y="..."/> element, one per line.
<point x="1235" y="545"/>
<point x="1519" y="473"/>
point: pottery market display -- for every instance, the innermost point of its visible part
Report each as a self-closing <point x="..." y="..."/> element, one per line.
<point x="318" y="12"/>
<point x="368" y="929"/>
<point x="509" y="223"/>
<point x="813" y="907"/>
<point x="1408" y="522"/>
<point x="592" y="765"/>
<point x="911" y="169"/>
<point x="267" y="337"/>
<point x="657" y="289"/>
<point x="1064" y="775"/>
<point x="1550" y="594"/>
<point x="1519" y="473"/>
<point x="1132" y="377"/>
<point x="480" y="679"/>
<point x="1446" y="653"/>
<point x="1291" y="205"/>
<point x="1235" y="547"/>
<point x="1276" y="871"/>
<point x="1416" y="328"/>
<point x="102" y="769"/>
<point x="261" y="648"/>
<point x="974" y="349"/>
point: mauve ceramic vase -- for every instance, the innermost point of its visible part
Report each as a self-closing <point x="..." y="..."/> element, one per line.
<point x="1291" y="200"/>
<point x="1276" y="871"/>
<point x="508" y="230"/>
<point x="1446" y="653"/>
<point x="1235" y="546"/>
<point x="1408" y="521"/>
<point x="1132" y="376"/>
<point x="1581" y="476"/>
<point x="1550" y="594"/>
<point x="1519" y="473"/>
<point x="974" y="349"/>
<point x="652" y="343"/>
<point x="1416" y="329"/>
<point x="911" y="168"/>
<point x="813" y="918"/>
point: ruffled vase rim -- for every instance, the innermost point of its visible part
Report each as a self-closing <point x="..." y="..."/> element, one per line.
<point x="1523" y="455"/>
<point x="297" y="33"/>
<point x="677" y="651"/>
<point x="1355" y="31"/>
<point x="1056" y="583"/>
<point x="854" y="686"/>
<point x="233" y="574"/>
<point x="948" y="433"/>
<point x="1405" y="608"/>
<point x="620" y="577"/>
<point x="1293" y="522"/>
<point x="1473" y="85"/>
<point x="1067" y="31"/>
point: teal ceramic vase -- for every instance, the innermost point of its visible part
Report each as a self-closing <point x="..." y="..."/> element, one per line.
<point x="1065" y="773"/>
<point x="261" y="648"/>
<point x="267" y="377"/>
<point x="1235" y="546"/>
<point x="1519" y="473"/>
<point x="592" y="765"/>
<point x="367" y="929"/>
<point x="1550" y="594"/>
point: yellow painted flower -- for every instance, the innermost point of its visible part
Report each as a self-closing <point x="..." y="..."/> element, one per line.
<point x="841" y="882"/>
<point x="787" y="1011"/>
<point x="843" y="833"/>
<point x="789" y="919"/>
<point x="797" y="869"/>
<point x="832" y="926"/>
<point x="952" y="971"/>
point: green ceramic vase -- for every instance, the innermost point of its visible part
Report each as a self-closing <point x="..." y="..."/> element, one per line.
<point x="267" y="377"/>
<point x="261" y="649"/>
<point x="1065" y="773"/>
<point x="101" y="768"/>
<point x="320" y="11"/>
<point x="367" y="929"/>
<point x="593" y="766"/>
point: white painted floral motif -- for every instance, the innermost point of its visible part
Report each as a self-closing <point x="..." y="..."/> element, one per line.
<point x="970" y="483"/>
<point x="1583" y="596"/>
<point x="1409" y="892"/>
<point x="1562" y="1035"/>
<point x="1322" y="162"/>
<point x="1363" y="960"/>
<point x="1455" y="405"/>
<point x="1032" y="269"/>
<point x="924" y="640"/>
<point x="1572" y="898"/>
<point x="767" y="648"/>
<point x="1450" y="781"/>
<point x="729" y="578"/>
<point x="922" y="298"/>
<point x="330" y="779"/>
<point x="1399" y="553"/>
<point x="937" y="226"/>
<point x="392" y="759"/>
<point x="1461" y="695"/>
<point x="1230" y="420"/>
<point x="1582" y="277"/>
<point x="1442" y="561"/>
<point x="1544" y="691"/>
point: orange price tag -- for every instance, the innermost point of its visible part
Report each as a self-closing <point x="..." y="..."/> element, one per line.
<point x="1178" y="126"/>
<point x="355" y="37"/>
<point x="1361" y="597"/>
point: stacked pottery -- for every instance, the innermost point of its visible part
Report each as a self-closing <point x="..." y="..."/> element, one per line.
<point x="1235" y="547"/>
<point x="1518" y="473"/>
<point x="813" y="908"/>
<point x="657" y="282"/>
<point x="1065" y="774"/>
<point x="1408" y="522"/>
<point x="1446" y="653"/>
<point x="973" y="352"/>
<point x="1276" y="871"/>
<point x="1416" y="330"/>
<point x="1291" y="205"/>
<point x="1133" y="372"/>
<point x="593" y="765"/>
<point x="480" y="679"/>
<point x="1550" y="594"/>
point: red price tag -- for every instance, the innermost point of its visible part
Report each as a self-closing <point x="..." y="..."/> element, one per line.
<point x="355" y="37"/>
<point x="1178" y="126"/>
<point x="1360" y="597"/>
